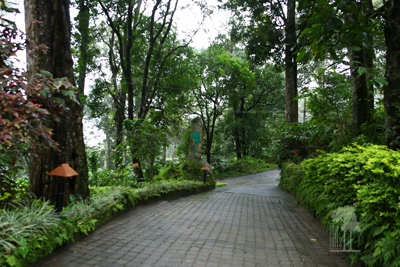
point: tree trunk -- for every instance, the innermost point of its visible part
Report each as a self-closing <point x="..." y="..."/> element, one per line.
<point x="236" y="137"/>
<point x="369" y="61"/>
<point x="360" y="95"/>
<point x="174" y="150"/>
<point x="392" y="90"/>
<point x="291" y="65"/>
<point x="244" y="143"/>
<point x="119" y="118"/>
<point x="243" y="139"/>
<point x="53" y="31"/>
<point x="208" y="129"/>
<point x="208" y="149"/>
<point x="83" y="28"/>
<point x="369" y="64"/>
<point x="238" y="147"/>
<point x="164" y="155"/>
<point x="119" y="99"/>
<point x="107" y="152"/>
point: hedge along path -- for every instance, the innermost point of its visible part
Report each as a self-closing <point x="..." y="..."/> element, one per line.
<point x="251" y="222"/>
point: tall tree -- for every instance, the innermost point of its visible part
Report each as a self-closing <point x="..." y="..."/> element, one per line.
<point x="257" y="104"/>
<point x="210" y="95"/>
<point x="157" y="29"/>
<point x="84" y="46"/>
<point x="292" y="107"/>
<point x="83" y="28"/>
<point x="123" y="25"/>
<point x="391" y="15"/>
<point x="22" y="116"/>
<point x="339" y="29"/>
<point x="146" y="28"/>
<point x="48" y="23"/>
<point x="268" y="31"/>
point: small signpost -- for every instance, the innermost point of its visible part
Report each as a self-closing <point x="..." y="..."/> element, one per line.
<point x="62" y="172"/>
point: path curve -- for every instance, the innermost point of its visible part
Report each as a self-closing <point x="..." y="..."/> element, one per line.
<point x="250" y="222"/>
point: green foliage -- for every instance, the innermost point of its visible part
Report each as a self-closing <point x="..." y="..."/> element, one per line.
<point x="189" y="170"/>
<point x="218" y="184"/>
<point x="23" y="118"/>
<point x="12" y="189"/>
<point x="145" y="142"/>
<point x="171" y="172"/>
<point x="105" y="177"/>
<point x="363" y="177"/>
<point x="291" y="177"/>
<point x="259" y="28"/>
<point x="294" y="142"/>
<point x="243" y="166"/>
<point x="93" y="165"/>
<point x="330" y="125"/>
<point x="183" y="149"/>
<point x="244" y="129"/>
<point x="331" y="100"/>
<point x="335" y="25"/>
<point x="17" y="226"/>
<point x="121" y="177"/>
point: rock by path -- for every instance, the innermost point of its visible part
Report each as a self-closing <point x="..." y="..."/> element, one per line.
<point x="250" y="222"/>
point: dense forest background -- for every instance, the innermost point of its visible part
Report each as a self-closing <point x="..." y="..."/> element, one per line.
<point x="289" y="78"/>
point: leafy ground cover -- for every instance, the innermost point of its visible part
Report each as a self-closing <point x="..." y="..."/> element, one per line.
<point x="238" y="167"/>
<point x="365" y="178"/>
<point x="218" y="184"/>
<point x="31" y="231"/>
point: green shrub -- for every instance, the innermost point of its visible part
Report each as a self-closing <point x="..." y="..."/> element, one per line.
<point x="169" y="172"/>
<point x="105" y="177"/>
<point x="189" y="170"/>
<point x="291" y="177"/>
<point x="122" y="177"/>
<point x="220" y="165"/>
<point x="364" y="177"/>
<point x="12" y="189"/>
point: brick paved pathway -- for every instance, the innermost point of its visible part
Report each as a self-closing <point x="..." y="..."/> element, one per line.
<point x="251" y="222"/>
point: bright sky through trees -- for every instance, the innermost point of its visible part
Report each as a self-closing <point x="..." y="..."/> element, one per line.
<point x="188" y="19"/>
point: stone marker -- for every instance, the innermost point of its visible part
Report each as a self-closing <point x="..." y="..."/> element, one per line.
<point x="196" y="140"/>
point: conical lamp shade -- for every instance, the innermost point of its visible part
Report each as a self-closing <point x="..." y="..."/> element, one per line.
<point x="64" y="170"/>
<point x="205" y="168"/>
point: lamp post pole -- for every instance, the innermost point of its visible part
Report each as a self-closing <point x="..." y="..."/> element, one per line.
<point x="61" y="172"/>
<point x="205" y="169"/>
<point x="60" y="194"/>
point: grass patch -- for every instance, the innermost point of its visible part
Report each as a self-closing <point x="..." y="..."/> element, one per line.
<point x="218" y="184"/>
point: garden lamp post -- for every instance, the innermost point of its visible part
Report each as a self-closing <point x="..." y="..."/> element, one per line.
<point x="61" y="172"/>
<point x="205" y="169"/>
